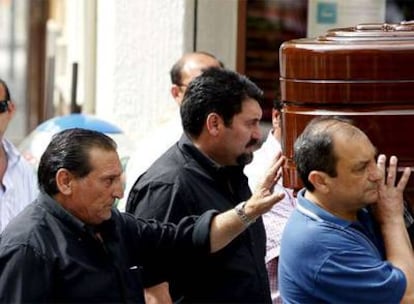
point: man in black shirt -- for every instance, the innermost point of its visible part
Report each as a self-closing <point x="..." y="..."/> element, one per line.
<point x="71" y="245"/>
<point x="220" y="115"/>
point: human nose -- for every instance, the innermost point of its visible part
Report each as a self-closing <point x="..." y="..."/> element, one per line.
<point x="257" y="132"/>
<point x="118" y="189"/>
<point x="374" y="173"/>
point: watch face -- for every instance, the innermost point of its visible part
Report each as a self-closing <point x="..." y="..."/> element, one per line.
<point x="242" y="215"/>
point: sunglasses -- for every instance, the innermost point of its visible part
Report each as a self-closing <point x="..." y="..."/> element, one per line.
<point x="4" y="105"/>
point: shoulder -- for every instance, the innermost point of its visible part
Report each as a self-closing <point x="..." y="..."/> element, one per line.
<point x="17" y="164"/>
<point x="16" y="158"/>
<point x="171" y="168"/>
<point x="28" y="230"/>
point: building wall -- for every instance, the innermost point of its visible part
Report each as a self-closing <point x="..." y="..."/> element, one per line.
<point x="138" y="41"/>
<point x="217" y="29"/>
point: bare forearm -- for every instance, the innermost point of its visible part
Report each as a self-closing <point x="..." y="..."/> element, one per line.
<point x="389" y="214"/>
<point x="224" y="228"/>
<point x="228" y="225"/>
<point x="158" y="294"/>
<point x="399" y="253"/>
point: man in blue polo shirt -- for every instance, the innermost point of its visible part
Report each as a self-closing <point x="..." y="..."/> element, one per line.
<point x="346" y="242"/>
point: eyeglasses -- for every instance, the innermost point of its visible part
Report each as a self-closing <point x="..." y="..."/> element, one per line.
<point x="4" y="105"/>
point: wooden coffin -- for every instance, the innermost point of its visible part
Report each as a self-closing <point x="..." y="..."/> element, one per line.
<point x="364" y="72"/>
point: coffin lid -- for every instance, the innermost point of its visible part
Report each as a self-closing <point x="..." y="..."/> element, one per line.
<point x="372" y="31"/>
<point x="368" y="51"/>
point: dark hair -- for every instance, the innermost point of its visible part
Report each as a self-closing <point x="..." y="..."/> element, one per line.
<point x="277" y="104"/>
<point x="6" y="89"/>
<point x="176" y="70"/>
<point x="216" y="90"/>
<point x="314" y="150"/>
<point x="70" y="149"/>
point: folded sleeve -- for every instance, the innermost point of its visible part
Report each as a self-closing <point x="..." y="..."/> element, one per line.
<point x="164" y="248"/>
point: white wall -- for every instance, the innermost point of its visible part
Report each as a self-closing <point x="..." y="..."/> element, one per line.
<point x="217" y="29"/>
<point x="139" y="40"/>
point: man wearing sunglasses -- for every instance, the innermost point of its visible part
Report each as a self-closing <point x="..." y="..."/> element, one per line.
<point x="18" y="183"/>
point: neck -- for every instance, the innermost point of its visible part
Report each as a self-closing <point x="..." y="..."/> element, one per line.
<point x="209" y="149"/>
<point x="331" y="207"/>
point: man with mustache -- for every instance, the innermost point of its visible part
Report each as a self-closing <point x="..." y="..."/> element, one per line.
<point x="346" y="241"/>
<point x="220" y="115"/>
<point x="274" y="220"/>
<point x="185" y="69"/>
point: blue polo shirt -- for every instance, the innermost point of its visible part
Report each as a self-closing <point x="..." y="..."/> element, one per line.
<point x="327" y="259"/>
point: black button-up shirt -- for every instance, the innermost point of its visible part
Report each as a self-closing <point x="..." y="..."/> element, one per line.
<point x="48" y="255"/>
<point x="182" y="182"/>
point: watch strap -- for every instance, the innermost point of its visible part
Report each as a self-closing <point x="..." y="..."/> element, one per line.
<point x="247" y="221"/>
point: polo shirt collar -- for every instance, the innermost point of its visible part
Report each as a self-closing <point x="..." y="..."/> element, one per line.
<point x="319" y="214"/>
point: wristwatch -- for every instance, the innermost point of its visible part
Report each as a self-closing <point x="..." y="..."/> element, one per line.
<point x="242" y="215"/>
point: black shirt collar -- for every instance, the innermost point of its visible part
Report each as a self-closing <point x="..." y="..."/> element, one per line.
<point x="185" y="144"/>
<point x="71" y="221"/>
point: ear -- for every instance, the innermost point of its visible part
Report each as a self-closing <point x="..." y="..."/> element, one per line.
<point x="213" y="124"/>
<point x="11" y="108"/>
<point x="64" y="181"/>
<point x="320" y="180"/>
<point x="176" y="93"/>
<point x="275" y="118"/>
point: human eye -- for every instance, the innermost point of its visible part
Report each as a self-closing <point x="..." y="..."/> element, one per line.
<point x="361" y="167"/>
<point x="108" y="181"/>
<point x="253" y="123"/>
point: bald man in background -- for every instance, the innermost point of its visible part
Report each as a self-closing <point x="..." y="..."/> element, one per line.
<point x="187" y="68"/>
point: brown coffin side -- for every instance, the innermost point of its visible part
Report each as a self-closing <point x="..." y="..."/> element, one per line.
<point x="391" y="130"/>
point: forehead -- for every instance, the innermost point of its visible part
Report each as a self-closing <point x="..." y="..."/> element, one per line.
<point x="251" y="109"/>
<point x="353" y="147"/>
<point x="194" y="66"/>
<point x="104" y="160"/>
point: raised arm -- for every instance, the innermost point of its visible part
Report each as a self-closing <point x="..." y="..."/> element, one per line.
<point x="228" y="225"/>
<point x="389" y="212"/>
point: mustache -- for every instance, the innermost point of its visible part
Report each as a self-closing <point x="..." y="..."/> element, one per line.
<point x="252" y="142"/>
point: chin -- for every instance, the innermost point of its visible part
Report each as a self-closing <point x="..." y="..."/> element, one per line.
<point x="106" y="216"/>
<point x="245" y="159"/>
<point x="373" y="198"/>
